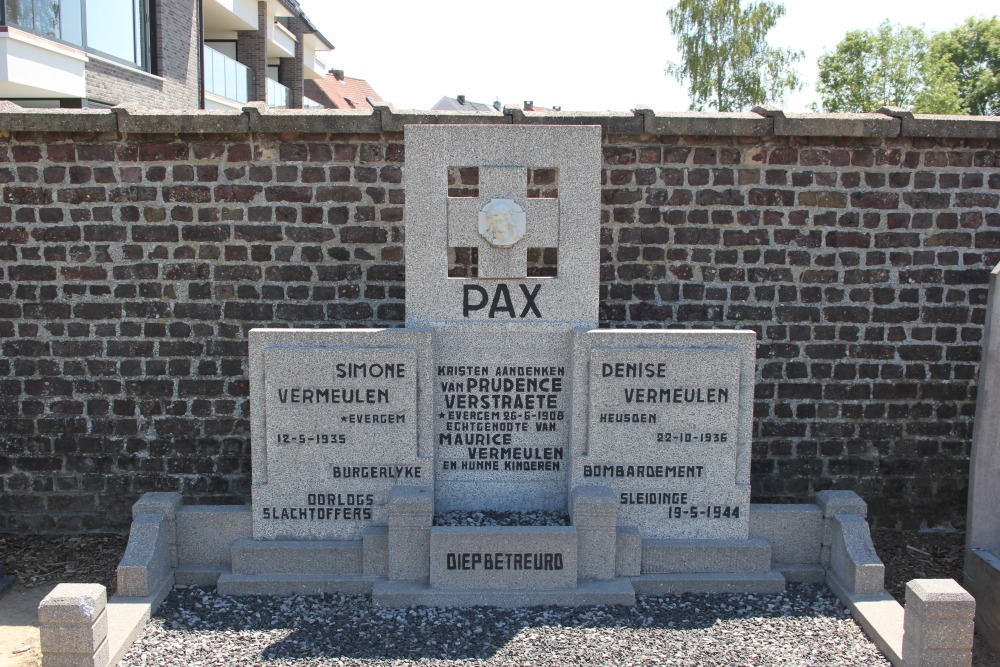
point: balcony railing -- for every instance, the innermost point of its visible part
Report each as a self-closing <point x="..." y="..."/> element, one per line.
<point x="309" y="103"/>
<point x="225" y="77"/>
<point x="278" y="96"/>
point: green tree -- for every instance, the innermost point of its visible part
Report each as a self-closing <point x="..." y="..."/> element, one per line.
<point x="956" y="71"/>
<point x="870" y="69"/>
<point x="725" y="55"/>
<point x="967" y="60"/>
<point x="940" y="93"/>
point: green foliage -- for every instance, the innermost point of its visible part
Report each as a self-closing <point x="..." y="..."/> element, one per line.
<point x="870" y="69"/>
<point x="725" y="55"/>
<point x="956" y="71"/>
<point x="972" y="56"/>
<point x="940" y="93"/>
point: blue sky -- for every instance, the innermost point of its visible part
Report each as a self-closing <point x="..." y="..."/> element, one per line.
<point x="581" y="56"/>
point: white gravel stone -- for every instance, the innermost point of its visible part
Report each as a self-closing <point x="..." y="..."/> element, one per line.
<point x="805" y="625"/>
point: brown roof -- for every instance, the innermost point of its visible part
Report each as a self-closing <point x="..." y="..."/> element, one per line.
<point x="337" y="91"/>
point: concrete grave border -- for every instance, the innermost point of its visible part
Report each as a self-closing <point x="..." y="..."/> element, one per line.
<point x="828" y="541"/>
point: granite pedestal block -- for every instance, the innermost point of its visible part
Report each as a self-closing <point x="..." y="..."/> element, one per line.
<point x="411" y="513"/>
<point x="504" y="558"/>
<point x="595" y="517"/>
<point x="73" y="626"/>
<point x="938" y="625"/>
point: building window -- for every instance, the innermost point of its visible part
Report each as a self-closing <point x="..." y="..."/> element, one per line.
<point x="56" y="19"/>
<point x="118" y="28"/>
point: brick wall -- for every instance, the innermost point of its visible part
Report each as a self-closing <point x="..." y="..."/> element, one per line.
<point x="135" y="262"/>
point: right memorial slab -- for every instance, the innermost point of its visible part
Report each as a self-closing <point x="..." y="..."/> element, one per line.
<point x="667" y="427"/>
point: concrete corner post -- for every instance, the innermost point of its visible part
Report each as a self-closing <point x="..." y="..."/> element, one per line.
<point x="73" y="626"/>
<point x="833" y="503"/>
<point x="147" y="567"/>
<point x="595" y="517"/>
<point x="164" y="504"/>
<point x="853" y="561"/>
<point x="938" y="624"/>
<point x="411" y="512"/>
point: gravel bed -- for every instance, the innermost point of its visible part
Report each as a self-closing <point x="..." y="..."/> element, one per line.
<point x="492" y="518"/>
<point x="38" y="560"/>
<point x="805" y="625"/>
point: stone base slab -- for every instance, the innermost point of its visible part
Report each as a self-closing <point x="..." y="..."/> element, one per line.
<point x="412" y="594"/>
<point x="127" y="618"/>
<point x="762" y="583"/>
<point x="802" y="573"/>
<point x="879" y="615"/>
<point x="206" y="577"/>
<point x="699" y="556"/>
<point x="293" y="584"/>
<point x="159" y="593"/>
<point x="297" y="556"/>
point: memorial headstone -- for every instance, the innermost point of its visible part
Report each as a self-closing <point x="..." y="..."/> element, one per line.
<point x="502" y="339"/>
<point x="336" y="423"/>
<point x="668" y="428"/>
<point x="501" y="394"/>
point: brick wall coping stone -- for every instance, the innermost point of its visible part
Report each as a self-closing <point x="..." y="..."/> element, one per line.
<point x="16" y="119"/>
<point x="887" y="122"/>
<point x="831" y="124"/>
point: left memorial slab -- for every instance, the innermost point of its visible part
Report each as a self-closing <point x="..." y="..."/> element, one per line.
<point x="336" y="422"/>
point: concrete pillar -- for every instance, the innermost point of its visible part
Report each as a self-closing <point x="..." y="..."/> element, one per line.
<point x="629" y="553"/>
<point x="937" y="624"/>
<point x="251" y="50"/>
<point x="595" y="517"/>
<point x="73" y="626"/>
<point x="411" y="513"/>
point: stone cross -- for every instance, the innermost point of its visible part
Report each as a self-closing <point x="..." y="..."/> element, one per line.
<point x="503" y="224"/>
<point x="541" y="222"/>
